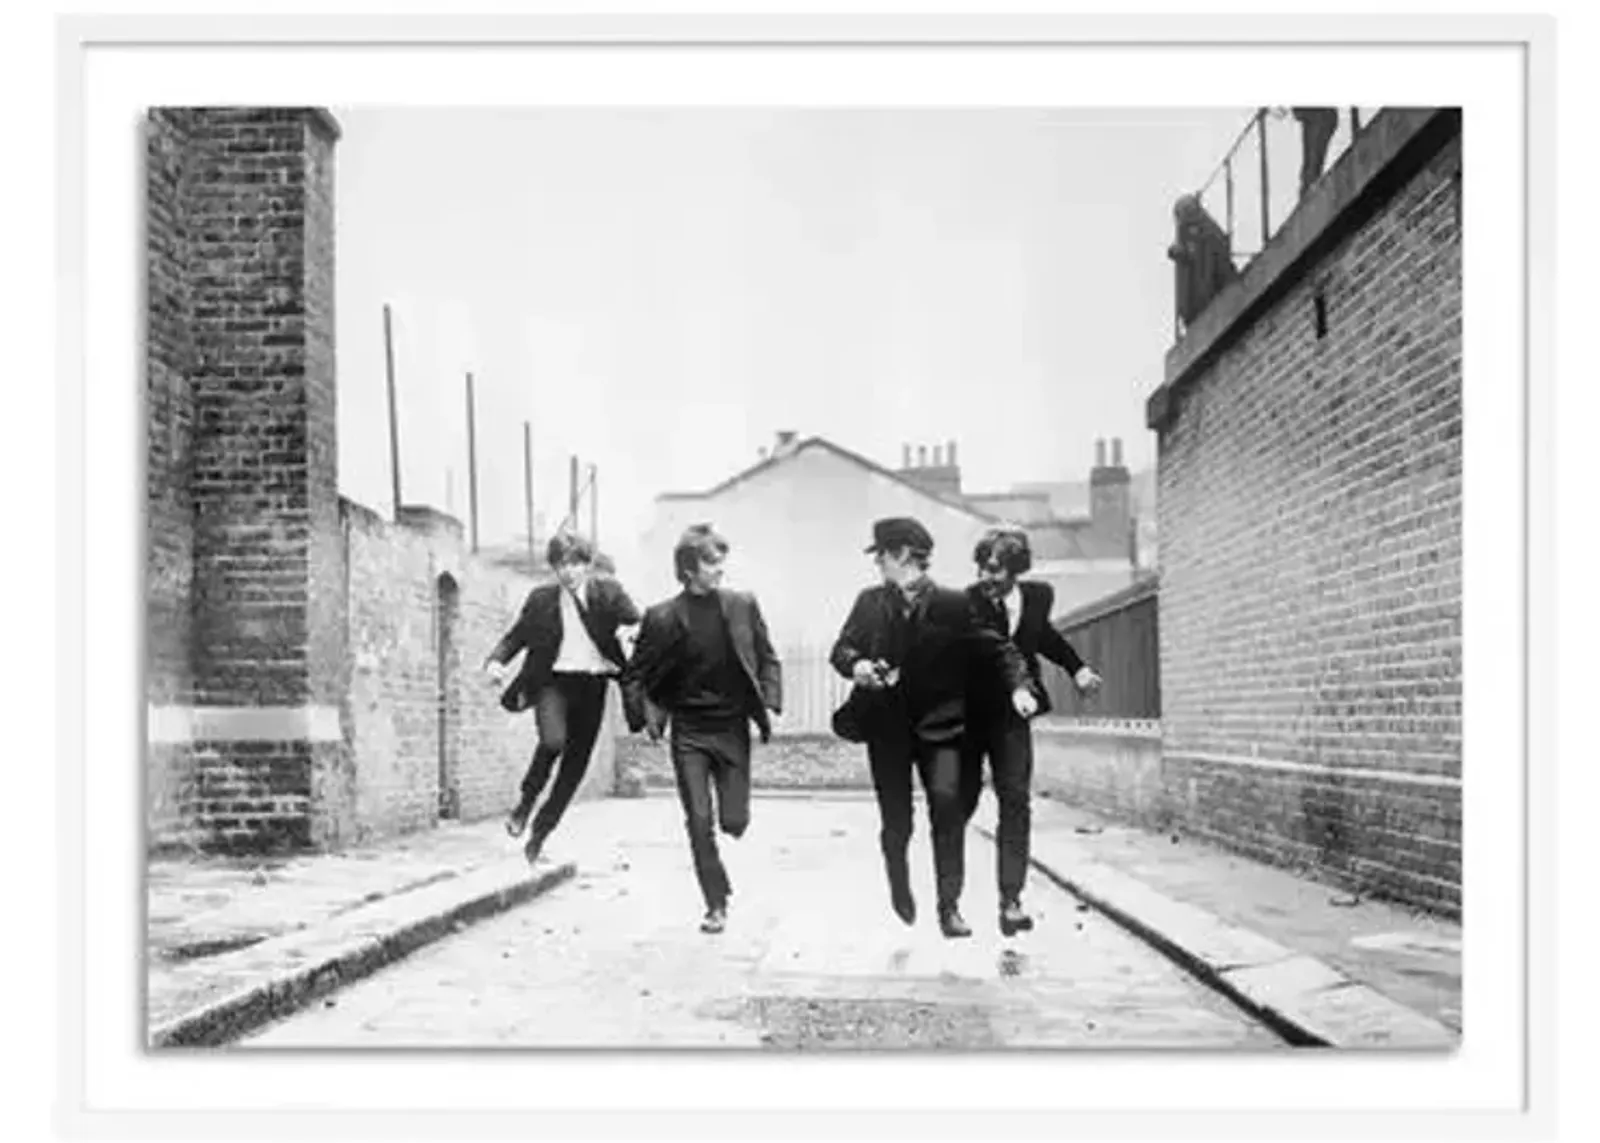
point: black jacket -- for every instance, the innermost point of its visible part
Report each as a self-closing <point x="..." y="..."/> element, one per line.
<point x="538" y="629"/>
<point x="1034" y="635"/>
<point x="655" y="675"/>
<point x="942" y="649"/>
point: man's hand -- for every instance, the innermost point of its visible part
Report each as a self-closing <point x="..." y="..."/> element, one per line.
<point x="1086" y="680"/>
<point x="1023" y="702"/>
<point x="866" y="674"/>
<point x="496" y="672"/>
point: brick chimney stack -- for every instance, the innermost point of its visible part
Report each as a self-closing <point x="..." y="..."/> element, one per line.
<point x="938" y="473"/>
<point x="1110" y="494"/>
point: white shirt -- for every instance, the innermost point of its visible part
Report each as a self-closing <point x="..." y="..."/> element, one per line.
<point x="578" y="654"/>
<point x="1013" y="602"/>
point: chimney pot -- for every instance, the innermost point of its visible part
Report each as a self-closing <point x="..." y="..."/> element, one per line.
<point x="938" y="456"/>
<point x="1116" y="452"/>
<point x="950" y="454"/>
<point x="922" y="456"/>
<point x="905" y="456"/>
<point x="1100" y="452"/>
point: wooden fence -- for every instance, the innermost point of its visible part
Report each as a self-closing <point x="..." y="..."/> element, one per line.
<point x="1119" y="637"/>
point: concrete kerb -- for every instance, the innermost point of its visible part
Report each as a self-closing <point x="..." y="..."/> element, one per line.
<point x="1304" y="1000"/>
<point x="321" y="961"/>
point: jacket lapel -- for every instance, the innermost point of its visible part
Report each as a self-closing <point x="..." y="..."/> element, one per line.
<point x="739" y="634"/>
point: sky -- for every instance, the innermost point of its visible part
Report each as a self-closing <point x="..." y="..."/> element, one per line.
<point x="660" y="291"/>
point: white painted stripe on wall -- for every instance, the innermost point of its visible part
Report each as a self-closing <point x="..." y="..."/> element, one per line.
<point x="179" y="724"/>
<point x="1104" y="728"/>
<point x="1355" y="772"/>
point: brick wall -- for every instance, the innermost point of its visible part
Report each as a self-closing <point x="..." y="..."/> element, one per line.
<point x="1310" y="520"/>
<point x="295" y="644"/>
<point x="428" y="737"/>
<point x="169" y="421"/>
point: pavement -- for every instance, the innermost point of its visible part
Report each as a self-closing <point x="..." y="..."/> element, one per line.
<point x="1323" y="965"/>
<point x="1141" y="942"/>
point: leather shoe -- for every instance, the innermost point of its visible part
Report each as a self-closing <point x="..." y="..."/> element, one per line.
<point x="534" y="845"/>
<point x="900" y="898"/>
<point x="1013" y="920"/>
<point x="715" y="920"/>
<point x="517" y="821"/>
<point x="905" y="905"/>
<point x="951" y="923"/>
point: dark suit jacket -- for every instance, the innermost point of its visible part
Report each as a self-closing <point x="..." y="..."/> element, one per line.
<point x="606" y="607"/>
<point x="941" y="648"/>
<point x="1034" y="635"/>
<point x="655" y="675"/>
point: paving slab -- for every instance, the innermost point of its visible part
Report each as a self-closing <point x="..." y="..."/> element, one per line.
<point x="1320" y="972"/>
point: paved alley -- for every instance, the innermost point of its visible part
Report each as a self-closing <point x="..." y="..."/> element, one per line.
<point x="812" y="957"/>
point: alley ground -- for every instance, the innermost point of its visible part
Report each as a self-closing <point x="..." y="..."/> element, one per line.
<point x="812" y="957"/>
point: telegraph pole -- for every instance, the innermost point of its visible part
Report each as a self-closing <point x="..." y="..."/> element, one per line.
<point x="394" y="415"/>
<point x="472" y="462"/>
<point x="594" y="506"/>
<point x="527" y="486"/>
<point x="572" y="492"/>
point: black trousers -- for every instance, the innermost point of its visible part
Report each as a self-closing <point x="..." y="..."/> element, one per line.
<point x="707" y="757"/>
<point x="1005" y="739"/>
<point x="892" y="758"/>
<point x="568" y="712"/>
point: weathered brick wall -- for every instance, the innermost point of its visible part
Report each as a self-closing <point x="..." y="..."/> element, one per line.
<point x="240" y="358"/>
<point x="169" y="420"/>
<point x="1310" y="520"/>
<point x="312" y="668"/>
<point x="428" y="737"/>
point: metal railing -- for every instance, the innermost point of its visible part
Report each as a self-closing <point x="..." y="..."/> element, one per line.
<point x="1260" y="179"/>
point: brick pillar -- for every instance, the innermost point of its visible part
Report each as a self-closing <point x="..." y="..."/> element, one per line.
<point x="267" y="593"/>
<point x="169" y="500"/>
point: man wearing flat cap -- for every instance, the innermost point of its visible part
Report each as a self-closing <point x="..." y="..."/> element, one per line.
<point x="917" y="648"/>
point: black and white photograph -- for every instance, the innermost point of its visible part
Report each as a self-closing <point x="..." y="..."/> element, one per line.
<point x="800" y="579"/>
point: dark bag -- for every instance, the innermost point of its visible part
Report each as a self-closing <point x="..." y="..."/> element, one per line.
<point x="857" y="718"/>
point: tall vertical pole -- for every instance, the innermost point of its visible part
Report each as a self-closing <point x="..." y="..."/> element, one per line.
<point x="527" y="486"/>
<point x="594" y="506"/>
<point x="1266" y="217"/>
<point x="394" y="414"/>
<point x="472" y="462"/>
<point x="572" y="493"/>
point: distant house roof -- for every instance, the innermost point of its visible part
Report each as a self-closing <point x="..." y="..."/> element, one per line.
<point x="1017" y="507"/>
<point x="1074" y="540"/>
<point x="1070" y="498"/>
<point x="959" y="503"/>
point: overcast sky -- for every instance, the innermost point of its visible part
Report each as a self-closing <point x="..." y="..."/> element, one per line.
<point x="659" y="291"/>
